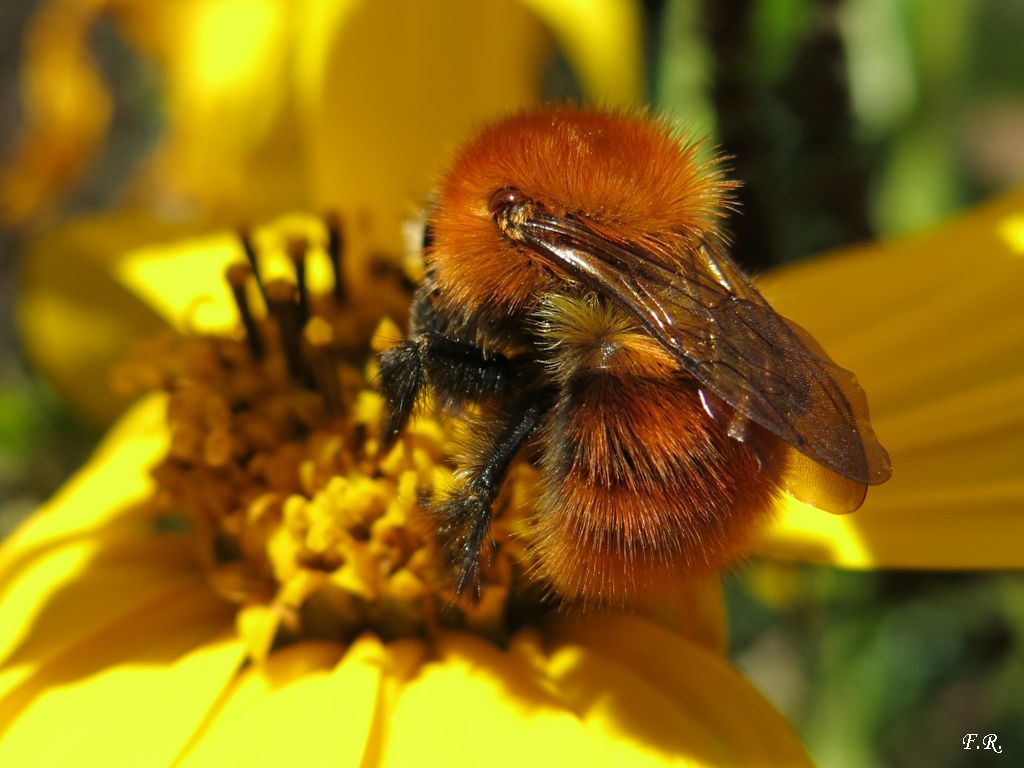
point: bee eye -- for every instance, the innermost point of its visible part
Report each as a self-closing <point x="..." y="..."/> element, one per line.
<point x="428" y="236"/>
<point x="505" y="198"/>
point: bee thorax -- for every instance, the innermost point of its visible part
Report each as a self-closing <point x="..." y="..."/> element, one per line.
<point x="586" y="335"/>
<point x="606" y="352"/>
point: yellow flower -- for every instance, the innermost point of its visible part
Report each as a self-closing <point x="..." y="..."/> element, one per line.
<point x="269" y="106"/>
<point x="299" y="618"/>
<point x="121" y="642"/>
<point x="250" y="484"/>
<point x="276" y="104"/>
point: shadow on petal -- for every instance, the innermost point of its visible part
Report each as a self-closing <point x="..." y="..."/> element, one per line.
<point x="91" y="581"/>
<point x="61" y="591"/>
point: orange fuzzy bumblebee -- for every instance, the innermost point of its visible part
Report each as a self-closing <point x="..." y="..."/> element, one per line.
<point x="578" y="292"/>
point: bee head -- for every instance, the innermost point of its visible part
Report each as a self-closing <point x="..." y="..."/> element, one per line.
<point x="510" y="209"/>
<point x="625" y="175"/>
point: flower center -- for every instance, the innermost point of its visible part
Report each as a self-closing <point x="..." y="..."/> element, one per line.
<point x="274" y="460"/>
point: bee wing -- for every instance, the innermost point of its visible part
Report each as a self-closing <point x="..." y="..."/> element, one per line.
<point x="703" y="310"/>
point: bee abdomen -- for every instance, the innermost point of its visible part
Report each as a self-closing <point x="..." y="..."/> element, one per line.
<point x="641" y="488"/>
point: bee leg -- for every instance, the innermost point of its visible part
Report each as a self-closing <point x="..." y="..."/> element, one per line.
<point x="466" y="516"/>
<point x="461" y="373"/>
<point x="401" y="379"/>
<point x="457" y="372"/>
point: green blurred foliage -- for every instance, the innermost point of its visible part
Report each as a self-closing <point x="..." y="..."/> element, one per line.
<point x="936" y="93"/>
<point x="887" y="668"/>
<point x="41" y="441"/>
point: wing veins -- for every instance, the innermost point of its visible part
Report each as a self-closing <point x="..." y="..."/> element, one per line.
<point x="725" y="335"/>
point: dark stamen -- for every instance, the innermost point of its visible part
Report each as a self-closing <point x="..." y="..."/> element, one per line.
<point x="383" y="265"/>
<point x="281" y="302"/>
<point x="320" y="337"/>
<point x="297" y="247"/>
<point x="238" y="279"/>
<point x="335" y="246"/>
<point x="254" y="263"/>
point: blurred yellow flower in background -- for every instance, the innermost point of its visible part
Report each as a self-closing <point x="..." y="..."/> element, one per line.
<point x="270" y="105"/>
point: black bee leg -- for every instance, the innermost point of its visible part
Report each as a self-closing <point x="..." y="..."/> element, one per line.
<point x="457" y="372"/>
<point x="401" y="379"/>
<point x="461" y="373"/>
<point x="466" y="515"/>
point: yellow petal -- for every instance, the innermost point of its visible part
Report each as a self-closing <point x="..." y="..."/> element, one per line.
<point x="268" y="104"/>
<point x="92" y="557"/>
<point x="374" y="141"/>
<point x="476" y="705"/>
<point x="929" y="324"/>
<point x="603" y="40"/>
<point x="110" y="628"/>
<point x="304" y="707"/>
<point x="76" y="321"/>
<point x="184" y="281"/>
<point x="70" y="591"/>
<point x="132" y="696"/>
<point x="46" y="566"/>
<point x="230" y="147"/>
<point x="681" y="699"/>
<point x="696" y="611"/>
<point x="114" y="479"/>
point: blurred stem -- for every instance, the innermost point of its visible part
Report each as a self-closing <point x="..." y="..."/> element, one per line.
<point x="743" y="129"/>
<point x="830" y="195"/>
<point x="778" y="83"/>
<point x="922" y="179"/>
<point x="683" y="73"/>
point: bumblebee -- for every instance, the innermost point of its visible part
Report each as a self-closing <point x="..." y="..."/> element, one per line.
<point x="579" y="296"/>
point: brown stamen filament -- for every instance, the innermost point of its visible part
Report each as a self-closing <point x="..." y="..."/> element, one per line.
<point x="283" y="307"/>
<point x="385" y="266"/>
<point x="297" y="515"/>
<point x="319" y="337"/>
<point x="238" y="278"/>
<point x="297" y="248"/>
<point x="335" y="247"/>
<point x="253" y="258"/>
